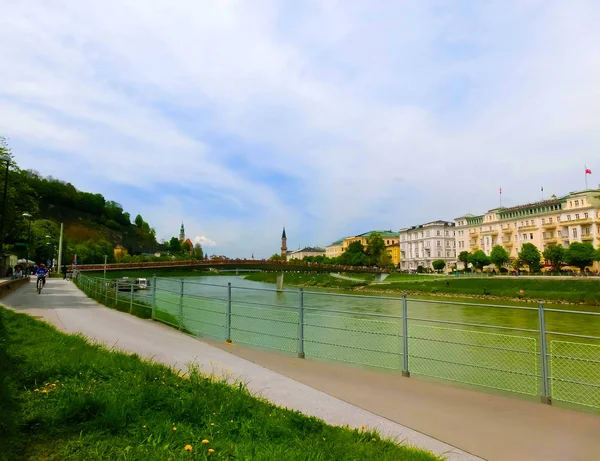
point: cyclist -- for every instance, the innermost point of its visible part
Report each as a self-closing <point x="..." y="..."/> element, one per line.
<point x="41" y="273"/>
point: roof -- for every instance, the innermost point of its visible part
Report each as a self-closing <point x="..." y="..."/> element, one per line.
<point x="383" y="233"/>
<point x="337" y="242"/>
<point x="554" y="201"/>
<point x="283" y="234"/>
<point x="439" y="222"/>
<point x="309" y="250"/>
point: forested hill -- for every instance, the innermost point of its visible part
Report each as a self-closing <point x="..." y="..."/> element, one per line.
<point x="93" y="225"/>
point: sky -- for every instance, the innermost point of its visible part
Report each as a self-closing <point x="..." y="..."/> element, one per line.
<point x="331" y="117"/>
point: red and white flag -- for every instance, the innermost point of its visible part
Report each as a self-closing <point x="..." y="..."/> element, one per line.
<point x="588" y="171"/>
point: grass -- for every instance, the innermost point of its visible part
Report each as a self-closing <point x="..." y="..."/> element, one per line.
<point x="306" y="279"/>
<point x="64" y="398"/>
<point x="574" y="291"/>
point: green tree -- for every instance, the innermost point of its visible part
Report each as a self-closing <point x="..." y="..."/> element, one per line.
<point x="531" y="256"/>
<point x="439" y="264"/>
<point x="274" y="257"/>
<point x="499" y="256"/>
<point x="197" y="253"/>
<point x="139" y="221"/>
<point x="479" y="259"/>
<point x="555" y="255"/>
<point x="375" y="247"/>
<point x="174" y="246"/>
<point x="580" y="255"/>
<point x="385" y="259"/>
<point x="186" y="247"/>
<point x="463" y="257"/>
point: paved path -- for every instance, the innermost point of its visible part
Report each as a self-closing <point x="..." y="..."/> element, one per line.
<point x="65" y="306"/>
<point x="491" y="426"/>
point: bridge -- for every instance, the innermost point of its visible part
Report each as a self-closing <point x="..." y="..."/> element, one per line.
<point x="230" y="265"/>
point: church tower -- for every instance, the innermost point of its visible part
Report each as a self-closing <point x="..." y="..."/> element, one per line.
<point x="283" y="245"/>
<point x="182" y="234"/>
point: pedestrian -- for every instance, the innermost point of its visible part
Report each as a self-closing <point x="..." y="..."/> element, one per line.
<point x="64" y="271"/>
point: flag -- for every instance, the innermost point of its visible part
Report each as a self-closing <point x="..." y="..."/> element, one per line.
<point x="588" y="171"/>
<point x="500" y="190"/>
<point x="542" y="188"/>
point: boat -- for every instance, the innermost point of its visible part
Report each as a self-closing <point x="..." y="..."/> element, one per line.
<point x="126" y="283"/>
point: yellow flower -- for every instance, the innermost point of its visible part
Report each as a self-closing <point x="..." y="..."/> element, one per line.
<point x="36" y="390"/>
<point x="362" y="428"/>
<point x="211" y="451"/>
<point x="44" y="391"/>
<point x="205" y="442"/>
<point x="212" y="424"/>
<point x="144" y="426"/>
<point x="188" y="448"/>
<point x="174" y="428"/>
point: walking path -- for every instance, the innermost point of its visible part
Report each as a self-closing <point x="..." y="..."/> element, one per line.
<point x="437" y="417"/>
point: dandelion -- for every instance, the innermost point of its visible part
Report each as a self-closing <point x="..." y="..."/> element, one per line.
<point x="210" y="451"/>
<point x="174" y="428"/>
<point x="144" y="426"/>
<point x="362" y="428"/>
<point x="188" y="448"/>
<point x="44" y="391"/>
<point x="212" y="424"/>
<point x="231" y="421"/>
<point x="205" y="442"/>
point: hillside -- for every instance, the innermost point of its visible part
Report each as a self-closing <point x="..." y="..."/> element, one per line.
<point x="93" y="224"/>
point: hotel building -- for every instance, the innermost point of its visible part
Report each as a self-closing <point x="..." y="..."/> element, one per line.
<point x="422" y="244"/>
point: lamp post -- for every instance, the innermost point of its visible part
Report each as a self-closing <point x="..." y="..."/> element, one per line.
<point x="28" y="216"/>
<point x="3" y="158"/>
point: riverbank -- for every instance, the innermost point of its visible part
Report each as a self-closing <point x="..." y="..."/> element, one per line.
<point x="61" y="397"/>
<point x="577" y="291"/>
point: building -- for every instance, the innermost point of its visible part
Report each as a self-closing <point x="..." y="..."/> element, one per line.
<point x="306" y="251"/>
<point x="182" y="234"/>
<point x="283" y="245"/>
<point x="557" y="221"/>
<point x="422" y="244"/>
<point x="335" y="249"/>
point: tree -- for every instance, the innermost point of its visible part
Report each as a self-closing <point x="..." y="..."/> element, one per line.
<point x="580" y="255"/>
<point x="531" y="256"/>
<point x="274" y="257"/>
<point x="139" y="221"/>
<point x="385" y="259"/>
<point x="499" y="256"/>
<point x="463" y="257"/>
<point x="354" y="255"/>
<point x="375" y="247"/>
<point x="479" y="259"/>
<point x="186" y="247"/>
<point x="174" y="246"/>
<point x="439" y="264"/>
<point x="555" y="255"/>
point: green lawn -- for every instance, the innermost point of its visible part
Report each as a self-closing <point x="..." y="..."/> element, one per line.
<point x="307" y="279"/>
<point x="577" y="290"/>
<point x="64" y="398"/>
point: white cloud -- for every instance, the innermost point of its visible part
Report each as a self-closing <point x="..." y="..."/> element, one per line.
<point x="381" y="114"/>
<point x="204" y="241"/>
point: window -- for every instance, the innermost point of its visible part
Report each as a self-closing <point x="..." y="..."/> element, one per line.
<point x="439" y="243"/>
<point x="576" y="202"/>
<point x="586" y="215"/>
<point x="439" y="254"/>
<point x="524" y="236"/>
<point x="531" y="236"/>
<point x="543" y="221"/>
<point x="437" y="233"/>
<point x="527" y="223"/>
<point x="577" y="216"/>
<point x="549" y="220"/>
<point x="388" y="242"/>
<point x="568" y="217"/>
<point x="574" y="233"/>
<point x="447" y="254"/>
<point x="426" y="233"/>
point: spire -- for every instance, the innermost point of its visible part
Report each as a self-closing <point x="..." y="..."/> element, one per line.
<point x="283" y="234"/>
<point x="182" y="230"/>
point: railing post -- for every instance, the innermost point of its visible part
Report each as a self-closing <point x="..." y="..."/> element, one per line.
<point x="545" y="397"/>
<point x="153" y="295"/>
<point x="116" y="294"/>
<point x="228" y="317"/>
<point x="181" y="305"/>
<point x="106" y="292"/>
<point x="405" y="371"/>
<point x="301" y="326"/>
<point x="131" y="297"/>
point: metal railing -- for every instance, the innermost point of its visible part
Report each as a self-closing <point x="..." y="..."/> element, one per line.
<point x="510" y="348"/>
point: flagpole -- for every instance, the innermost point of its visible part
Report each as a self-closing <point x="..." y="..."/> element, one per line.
<point x="500" y="196"/>
<point x="586" y="170"/>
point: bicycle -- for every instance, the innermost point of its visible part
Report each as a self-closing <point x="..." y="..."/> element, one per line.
<point x="40" y="284"/>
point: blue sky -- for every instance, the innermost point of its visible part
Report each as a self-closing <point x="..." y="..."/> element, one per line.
<point x="330" y="117"/>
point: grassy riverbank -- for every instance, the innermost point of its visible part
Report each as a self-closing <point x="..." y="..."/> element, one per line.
<point x="322" y="280"/>
<point x="63" y="398"/>
<point x="552" y="290"/>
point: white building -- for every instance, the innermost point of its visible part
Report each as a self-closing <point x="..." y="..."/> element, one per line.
<point x="421" y="245"/>
<point x="306" y="251"/>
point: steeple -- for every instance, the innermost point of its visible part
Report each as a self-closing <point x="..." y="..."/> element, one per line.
<point x="182" y="234"/>
<point x="283" y="244"/>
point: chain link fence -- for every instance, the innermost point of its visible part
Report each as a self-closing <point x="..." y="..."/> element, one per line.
<point x="444" y="340"/>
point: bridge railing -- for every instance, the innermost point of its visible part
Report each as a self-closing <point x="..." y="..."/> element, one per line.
<point x="552" y="354"/>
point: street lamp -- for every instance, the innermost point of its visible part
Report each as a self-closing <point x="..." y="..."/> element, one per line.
<point x="3" y="158"/>
<point x="28" y="216"/>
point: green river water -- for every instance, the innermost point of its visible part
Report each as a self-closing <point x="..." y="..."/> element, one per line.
<point x="367" y="331"/>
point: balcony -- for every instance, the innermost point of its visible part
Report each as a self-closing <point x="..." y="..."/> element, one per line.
<point x="490" y="232"/>
<point x="587" y="237"/>
<point x="507" y="242"/>
<point x="474" y="244"/>
<point x="577" y="222"/>
<point x="528" y="227"/>
<point x="507" y="230"/>
<point x="550" y="240"/>
<point x="549" y="225"/>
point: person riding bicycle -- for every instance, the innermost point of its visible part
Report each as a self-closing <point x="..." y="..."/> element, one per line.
<point x="41" y="273"/>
